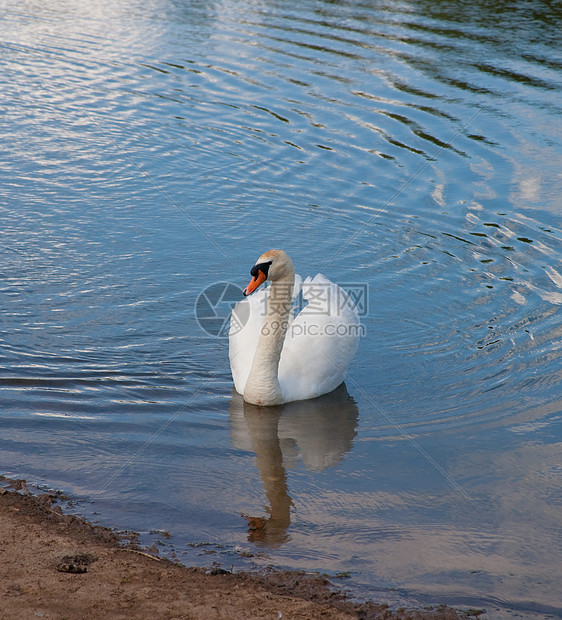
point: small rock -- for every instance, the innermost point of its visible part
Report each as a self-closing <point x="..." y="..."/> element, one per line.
<point x="215" y="569"/>
<point x="75" y="563"/>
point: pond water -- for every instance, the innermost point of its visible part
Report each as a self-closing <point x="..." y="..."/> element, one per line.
<point x="408" y="149"/>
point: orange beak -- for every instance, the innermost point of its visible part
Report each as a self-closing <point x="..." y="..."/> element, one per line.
<point x="259" y="279"/>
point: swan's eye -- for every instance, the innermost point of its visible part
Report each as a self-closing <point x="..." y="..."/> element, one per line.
<point x="263" y="267"/>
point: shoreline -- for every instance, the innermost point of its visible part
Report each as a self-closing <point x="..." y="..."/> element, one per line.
<point x="57" y="565"/>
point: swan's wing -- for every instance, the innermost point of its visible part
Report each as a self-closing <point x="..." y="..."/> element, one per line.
<point x="320" y="342"/>
<point x="246" y="322"/>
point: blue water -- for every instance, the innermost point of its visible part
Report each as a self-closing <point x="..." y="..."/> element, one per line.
<point x="409" y="149"/>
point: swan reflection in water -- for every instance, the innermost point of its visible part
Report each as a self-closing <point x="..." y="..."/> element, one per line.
<point x="321" y="430"/>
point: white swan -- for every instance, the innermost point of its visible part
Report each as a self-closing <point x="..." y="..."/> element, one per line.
<point x="277" y="358"/>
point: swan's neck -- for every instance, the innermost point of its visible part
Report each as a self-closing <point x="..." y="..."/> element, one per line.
<point x="262" y="387"/>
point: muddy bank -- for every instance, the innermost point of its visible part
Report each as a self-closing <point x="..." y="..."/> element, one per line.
<point x="60" y="566"/>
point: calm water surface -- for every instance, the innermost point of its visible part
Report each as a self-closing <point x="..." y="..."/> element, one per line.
<point x="150" y="149"/>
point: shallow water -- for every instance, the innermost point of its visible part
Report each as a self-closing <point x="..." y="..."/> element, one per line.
<point x="410" y="150"/>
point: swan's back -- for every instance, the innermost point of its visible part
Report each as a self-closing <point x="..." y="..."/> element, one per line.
<point x="320" y="342"/>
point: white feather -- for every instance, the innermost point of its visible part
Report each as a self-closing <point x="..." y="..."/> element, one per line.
<point x="320" y="342"/>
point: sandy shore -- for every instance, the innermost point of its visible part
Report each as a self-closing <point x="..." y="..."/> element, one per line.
<point x="59" y="566"/>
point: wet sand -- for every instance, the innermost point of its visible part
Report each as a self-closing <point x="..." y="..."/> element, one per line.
<point x="59" y="566"/>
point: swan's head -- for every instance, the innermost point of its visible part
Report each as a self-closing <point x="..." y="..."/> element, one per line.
<point x="273" y="265"/>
